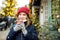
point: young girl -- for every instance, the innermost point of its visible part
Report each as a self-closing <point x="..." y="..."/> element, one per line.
<point x="23" y="29"/>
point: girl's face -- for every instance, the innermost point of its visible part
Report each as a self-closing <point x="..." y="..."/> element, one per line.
<point x="22" y="16"/>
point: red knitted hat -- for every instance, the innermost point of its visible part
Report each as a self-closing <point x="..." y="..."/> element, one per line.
<point x="23" y="9"/>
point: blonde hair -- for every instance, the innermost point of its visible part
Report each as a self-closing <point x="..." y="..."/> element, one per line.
<point x="28" y="21"/>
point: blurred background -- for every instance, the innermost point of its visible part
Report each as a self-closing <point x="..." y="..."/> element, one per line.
<point x="45" y="15"/>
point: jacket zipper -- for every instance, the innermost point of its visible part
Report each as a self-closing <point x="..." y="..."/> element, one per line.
<point x="21" y="35"/>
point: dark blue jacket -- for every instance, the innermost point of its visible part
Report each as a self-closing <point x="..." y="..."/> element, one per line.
<point x="31" y="35"/>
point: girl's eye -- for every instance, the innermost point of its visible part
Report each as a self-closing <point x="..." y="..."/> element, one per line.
<point x="23" y="14"/>
<point x="19" y="14"/>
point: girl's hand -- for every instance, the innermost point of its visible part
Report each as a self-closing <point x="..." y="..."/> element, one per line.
<point x="17" y="27"/>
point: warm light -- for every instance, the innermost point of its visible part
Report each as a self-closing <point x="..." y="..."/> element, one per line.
<point x="31" y="1"/>
<point x="57" y="16"/>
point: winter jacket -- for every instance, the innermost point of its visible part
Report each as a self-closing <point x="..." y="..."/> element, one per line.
<point x="18" y="35"/>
